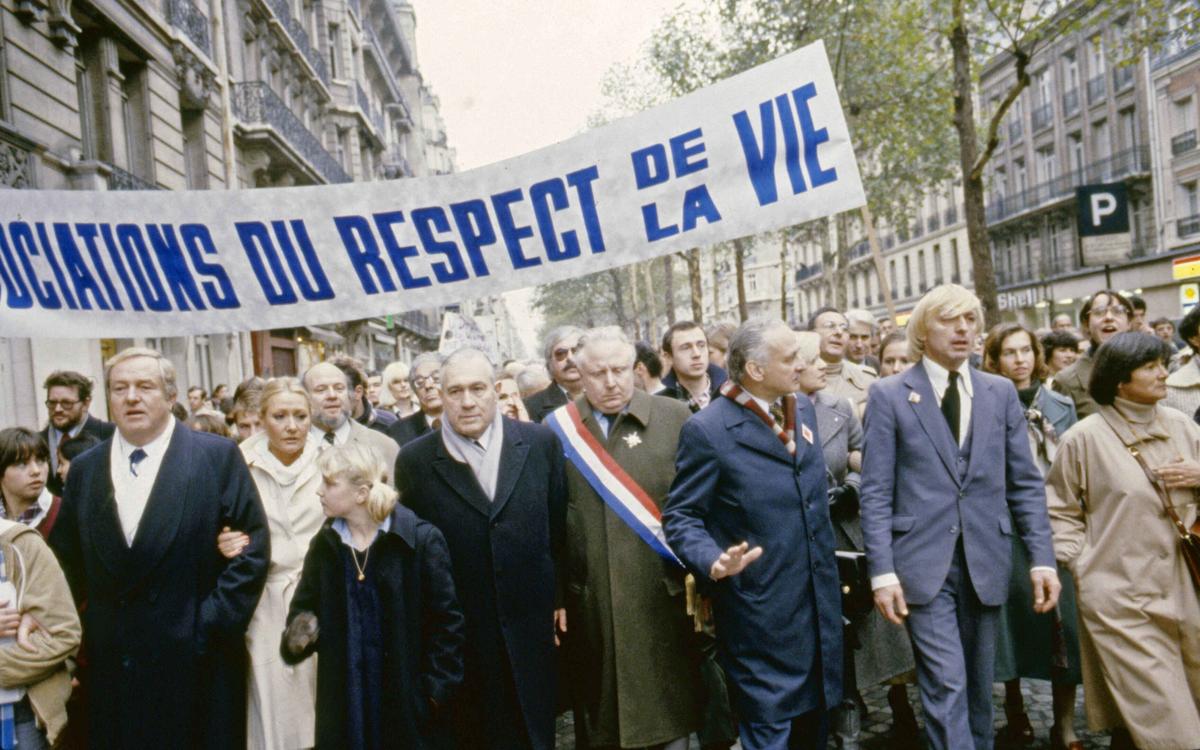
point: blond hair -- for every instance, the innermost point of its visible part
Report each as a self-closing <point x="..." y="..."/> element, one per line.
<point x="166" y="370"/>
<point x="278" y="387"/>
<point x="947" y="300"/>
<point x="361" y="466"/>
<point x="810" y="345"/>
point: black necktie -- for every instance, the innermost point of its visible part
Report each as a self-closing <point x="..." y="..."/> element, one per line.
<point x="951" y="406"/>
<point x="135" y="458"/>
<point x="330" y="437"/>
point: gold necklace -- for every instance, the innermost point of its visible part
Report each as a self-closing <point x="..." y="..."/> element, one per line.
<point x="362" y="569"/>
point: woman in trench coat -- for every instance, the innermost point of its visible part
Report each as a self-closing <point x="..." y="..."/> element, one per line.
<point x="1139" y="611"/>
<point x="283" y="463"/>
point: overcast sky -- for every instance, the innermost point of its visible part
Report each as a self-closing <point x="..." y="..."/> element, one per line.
<point x="516" y="75"/>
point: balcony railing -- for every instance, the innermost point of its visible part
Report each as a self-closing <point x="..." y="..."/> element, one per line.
<point x="808" y="271"/>
<point x="951" y="215"/>
<point x="1183" y="142"/>
<point x="418" y="323"/>
<point x="1070" y="102"/>
<point x="283" y="11"/>
<point x="1188" y="227"/>
<point x="1131" y="161"/>
<point x="185" y="16"/>
<point x="1180" y="44"/>
<point x="933" y="223"/>
<point x="255" y="103"/>
<point x="860" y="249"/>
<point x="395" y="165"/>
<point x="381" y="56"/>
<point x="375" y="116"/>
<point x="16" y="162"/>
<point x="1015" y="131"/>
<point x="119" y="179"/>
<point x="1042" y="116"/>
<point x="1095" y="88"/>
<point x="918" y="229"/>
<point x="1122" y="77"/>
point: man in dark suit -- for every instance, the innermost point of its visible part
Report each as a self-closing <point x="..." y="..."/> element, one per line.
<point x="561" y="343"/>
<point x="68" y="397"/>
<point x="423" y="375"/>
<point x="166" y="614"/>
<point x="748" y="514"/>
<point x="947" y="470"/>
<point x="495" y="489"/>
<point x="693" y="379"/>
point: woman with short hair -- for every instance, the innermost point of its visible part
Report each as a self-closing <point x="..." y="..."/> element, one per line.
<point x="1139" y="611"/>
<point x="397" y="394"/>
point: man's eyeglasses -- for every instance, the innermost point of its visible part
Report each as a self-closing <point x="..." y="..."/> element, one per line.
<point x="1117" y="311"/>
<point x="51" y="404"/>
<point x="562" y="353"/>
<point x="425" y="381"/>
<point x="832" y="325"/>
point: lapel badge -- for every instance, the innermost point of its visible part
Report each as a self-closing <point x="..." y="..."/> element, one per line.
<point x="914" y="398"/>
<point x="633" y="440"/>
<point x="806" y="433"/>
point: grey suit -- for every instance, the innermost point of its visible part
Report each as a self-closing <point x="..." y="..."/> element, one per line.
<point x="841" y="434"/>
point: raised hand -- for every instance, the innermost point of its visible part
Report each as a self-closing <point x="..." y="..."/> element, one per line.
<point x="734" y="560"/>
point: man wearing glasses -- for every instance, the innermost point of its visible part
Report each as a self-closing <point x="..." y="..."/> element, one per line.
<point x="424" y="377"/>
<point x="68" y="396"/>
<point x="560" y="345"/>
<point x="844" y="379"/>
<point x="1104" y="315"/>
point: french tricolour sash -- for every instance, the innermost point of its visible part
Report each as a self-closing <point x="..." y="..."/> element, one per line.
<point x="616" y="488"/>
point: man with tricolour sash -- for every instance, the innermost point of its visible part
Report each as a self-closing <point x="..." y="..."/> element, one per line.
<point x="634" y="669"/>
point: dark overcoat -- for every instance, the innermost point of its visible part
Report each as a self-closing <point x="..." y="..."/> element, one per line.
<point x="407" y="429"/>
<point x="545" y="401"/>
<point x="779" y="621"/>
<point x="503" y="559"/>
<point x="421" y="629"/>
<point x="98" y="428"/>
<point x="165" y="620"/>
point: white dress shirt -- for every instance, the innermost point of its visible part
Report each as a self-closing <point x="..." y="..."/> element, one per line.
<point x="939" y="378"/>
<point x="130" y="491"/>
<point x="340" y="435"/>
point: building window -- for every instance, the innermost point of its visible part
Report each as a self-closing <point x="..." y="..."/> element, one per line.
<point x="1096" y="66"/>
<point x="1045" y="163"/>
<point x="892" y="277"/>
<point x="1128" y="126"/>
<point x="1075" y="150"/>
<point x="4" y="103"/>
<point x="335" y="51"/>
<point x="1189" y="198"/>
<point x="957" y="277"/>
<point x="1070" y="72"/>
<point x="922" y="277"/>
<point x="752" y="282"/>
<point x="1101" y="148"/>
<point x="114" y="121"/>
<point x="195" y="150"/>
<point x="1020" y="175"/>
<point x="907" y="276"/>
<point x="937" y="264"/>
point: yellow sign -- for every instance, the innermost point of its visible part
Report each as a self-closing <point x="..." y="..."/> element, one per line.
<point x="1185" y="268"/>
<point x="1189" y="295"/>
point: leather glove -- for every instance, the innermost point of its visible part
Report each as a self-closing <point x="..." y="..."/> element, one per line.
<point x="301" y="632"/>
<point x="843" y="502"/>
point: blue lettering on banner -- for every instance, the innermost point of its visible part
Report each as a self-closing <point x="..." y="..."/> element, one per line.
<point x="114" y="253"/>
<point x="48" y="254"/>
<point x="364" y="254"/>
<point x="217" y="288"/>
<point x="18" y="297"/>
<point x="144" y="272"/>
<point x="650" y="166"/>
<point x="23" y="243"/>
<point x="305" y="265"/>
<point x="683" y="148"/>
<point x="81" y="276"/>
<point x="87" y="233"/>
<point x="427" y="221"/>
<point x="256" y="241"/>
<point x="475" y="229"/>
<point x="502" y="204"/>
<point x="581" y="180"/>
<point x="759" y="150"/>
<point x="399" y="254"/>
<point x="547" y="197"/>
<point x="170" y="258"/>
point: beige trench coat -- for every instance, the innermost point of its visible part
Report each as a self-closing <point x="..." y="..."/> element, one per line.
<point x="1139" y="613"/>
<point x="280" y="707"/>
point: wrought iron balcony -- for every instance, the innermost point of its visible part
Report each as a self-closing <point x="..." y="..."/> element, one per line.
<point x="395" y="165"/>
<point x="1095" y="88"/>
<point x="1042" y="116"/>
<point x="1070" y="102"/>
<point x="254" y="103"/>
<point x="16" y="161"/>
<point x="418" y="322"/>
<point x="1188" y="227"/>
<point x="1183" y="142"/>
<point x="119" y="179"/>
<point x="1122" y="77"/>
<point x="185" y="16"/>
<point x="806" y="271"/>
<point x="1122" y="164"/>
<point x="1182" y="43"/>
<point x="283" y="11"/>
<point x="1015" y="131"/>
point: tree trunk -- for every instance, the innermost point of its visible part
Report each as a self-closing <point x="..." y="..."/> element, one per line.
<point x="783" y="276"/>
<point x="697" y="288"/>
<point x="619" y="295"/>
<point x="964" y="123"/>
<point x="669" y="287"/>
<point x="650" y="324"/>
<point x="739" y="253"/>
<point x="835" y="270"/>
<point x="716" y="283"/>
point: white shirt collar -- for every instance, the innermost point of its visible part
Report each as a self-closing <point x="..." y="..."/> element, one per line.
<point x="939" y="377"/>
<point x="156" y="447"/>
<point x="343" y="530"/>
<point x="340" y="435"/>
<point x="429" y="419"/>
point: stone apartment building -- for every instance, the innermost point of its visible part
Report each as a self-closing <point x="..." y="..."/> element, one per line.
<point x="211" y="95"/>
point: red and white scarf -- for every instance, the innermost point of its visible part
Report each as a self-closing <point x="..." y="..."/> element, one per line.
<point x="787" y="433"/>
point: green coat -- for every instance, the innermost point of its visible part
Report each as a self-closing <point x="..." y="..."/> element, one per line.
<point x="1072" y="382"/>
<point x="634" y="668"/>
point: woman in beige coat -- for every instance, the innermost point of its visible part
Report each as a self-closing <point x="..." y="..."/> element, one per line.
<point x="1138" y="609"/>
<point x="282" y="461"/>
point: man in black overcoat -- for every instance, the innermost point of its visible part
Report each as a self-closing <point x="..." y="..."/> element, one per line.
<point x="423" y="377"/>
<point x="561" y="343"/>
<point x="165" y="617"/>
<point x="496" y="490"/>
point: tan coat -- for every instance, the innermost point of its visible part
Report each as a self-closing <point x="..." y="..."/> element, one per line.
<point x="1139" y="613"/>
<point x="280" y="713"/>
<point x="387" y="448"/>
<point x="1072" y="382"/>
<point x="44" y="670"/>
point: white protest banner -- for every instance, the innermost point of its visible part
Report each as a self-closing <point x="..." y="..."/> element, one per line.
<point x="460" y="330"/>
<point x="759" y="151"/>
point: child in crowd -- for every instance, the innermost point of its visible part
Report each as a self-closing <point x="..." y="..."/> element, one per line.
<point x="376" y="601"/>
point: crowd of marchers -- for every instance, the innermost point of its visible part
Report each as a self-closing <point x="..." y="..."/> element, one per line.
<point x="726" y="536"/>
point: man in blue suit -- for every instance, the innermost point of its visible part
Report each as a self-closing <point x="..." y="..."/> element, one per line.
<point x="748" y="514"/>
<point x="946" y="471"/>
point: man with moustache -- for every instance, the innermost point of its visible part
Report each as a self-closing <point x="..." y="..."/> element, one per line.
<point x="633" y="665"/>
<point x="947" y="474"/>
<point x="495" y="488"/>
<point x="166" y="613"/>
<point x="560" y="344"/>
<point x="692" y="379"/>
<point x="844" y="378"/>
<point x="423" y="377"/>
<point x="68" y="398"/>
<point x="1104" y="315"/>
<point x="329" y="390"/>
<point x="748" y="513"/>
